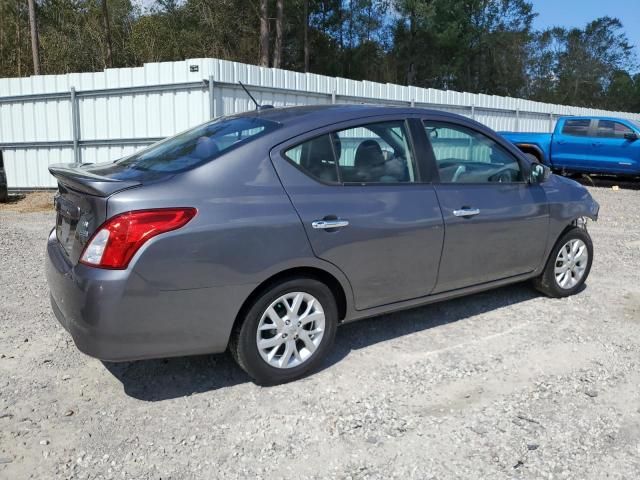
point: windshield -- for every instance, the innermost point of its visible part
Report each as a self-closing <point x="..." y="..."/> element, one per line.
<point x="188" y="149"/>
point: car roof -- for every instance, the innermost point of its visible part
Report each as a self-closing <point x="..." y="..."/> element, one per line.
<point x="291" y="115"/>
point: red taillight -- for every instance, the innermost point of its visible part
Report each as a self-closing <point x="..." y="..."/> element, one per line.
<point x="119" y="238"/>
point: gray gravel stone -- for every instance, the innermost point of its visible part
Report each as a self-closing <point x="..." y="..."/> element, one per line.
<point x="496" y="385"/>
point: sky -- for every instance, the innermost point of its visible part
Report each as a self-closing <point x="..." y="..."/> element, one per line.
<point x="577" y="13"/>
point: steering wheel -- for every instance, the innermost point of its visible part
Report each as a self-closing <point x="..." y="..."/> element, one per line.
<point x="503" y="176"/>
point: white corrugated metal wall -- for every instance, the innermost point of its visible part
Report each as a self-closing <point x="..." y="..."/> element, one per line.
<point x="112" y="113"/>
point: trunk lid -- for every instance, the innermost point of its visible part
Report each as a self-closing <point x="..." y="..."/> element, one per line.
<point x="81" y="204"/>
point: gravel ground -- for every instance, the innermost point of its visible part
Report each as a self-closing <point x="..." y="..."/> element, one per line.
<point x="504" y="384"/>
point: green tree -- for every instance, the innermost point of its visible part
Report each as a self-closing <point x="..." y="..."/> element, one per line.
<point x="486" y="46"/>
<point x="477" y="45"/>
<point x="589" y="60"/>
<point x="582" y="67"/>
<point x="623" y="92"/>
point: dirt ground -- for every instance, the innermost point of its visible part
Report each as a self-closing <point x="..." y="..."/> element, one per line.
<point x="503" y="384"/>
<point x="29" y="203"/>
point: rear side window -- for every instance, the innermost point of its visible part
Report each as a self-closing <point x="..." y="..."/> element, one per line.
<point x="189" y="149"/>
<point x="376" y="153"/>
<point x="577" y="127"/>
<point x="611" y="129"/>
<point x="316" y="158"/>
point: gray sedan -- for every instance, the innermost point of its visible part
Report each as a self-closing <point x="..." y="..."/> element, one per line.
<point x="262" y="232"/>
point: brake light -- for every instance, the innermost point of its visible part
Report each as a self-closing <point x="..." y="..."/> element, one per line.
<point x="118" y="239"/>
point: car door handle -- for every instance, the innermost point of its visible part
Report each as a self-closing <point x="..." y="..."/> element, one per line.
<point x="466" y="212"/>
<point x="327" y="224"/>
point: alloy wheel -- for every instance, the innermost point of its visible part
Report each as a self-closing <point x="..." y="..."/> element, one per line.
<point x="571" y="263"/>
<point x="290" y="330"/>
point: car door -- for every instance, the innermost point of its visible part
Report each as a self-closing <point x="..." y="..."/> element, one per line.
<point x="366" y="208"/>
<point x="617" y="148"/>
<point x="573" y="144"/>
<point x="496" y="223"/>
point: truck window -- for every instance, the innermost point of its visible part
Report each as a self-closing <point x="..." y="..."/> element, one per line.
<point x="612" y="129"/>
<point x="578" y="127"/>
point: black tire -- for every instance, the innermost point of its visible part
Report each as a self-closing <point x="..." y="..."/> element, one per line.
<point x="243" y="345"/>
<point x="533" y="157"/>
<point x="547" y="283"/>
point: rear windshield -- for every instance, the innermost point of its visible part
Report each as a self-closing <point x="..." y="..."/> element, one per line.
<point x="188" y="149"/>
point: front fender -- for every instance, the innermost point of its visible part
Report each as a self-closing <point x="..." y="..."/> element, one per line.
<point x="568" y="202"/>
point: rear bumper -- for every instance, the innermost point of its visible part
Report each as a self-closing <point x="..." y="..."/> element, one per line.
<point x="116" y="315"/>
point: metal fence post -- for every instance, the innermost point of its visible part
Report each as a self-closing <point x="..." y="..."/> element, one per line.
<point x="333" y="97"/>
<point x="212" y="100"/>
<point x="473" y="112"/>
<point x="517" y="129"/>
<point x="75" y="127"/>
<point x="551" y="122"/>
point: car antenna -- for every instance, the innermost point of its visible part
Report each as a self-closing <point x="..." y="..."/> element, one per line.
<point x="258" y="106"/>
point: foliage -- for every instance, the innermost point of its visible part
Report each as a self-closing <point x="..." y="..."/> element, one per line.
<point x="485" y="46"/>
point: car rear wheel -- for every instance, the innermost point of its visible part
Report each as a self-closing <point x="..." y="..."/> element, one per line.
<point x="568" y="266"/>
<point x="286" y="332"/>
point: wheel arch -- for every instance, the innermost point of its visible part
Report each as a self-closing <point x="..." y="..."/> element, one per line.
<point x="578" y="221"/>
<point x="570" y="226"/>
<point x="316" y="273"/>
<point x="533" y="150"/>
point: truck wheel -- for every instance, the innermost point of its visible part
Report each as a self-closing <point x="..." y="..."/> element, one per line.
<point x="568" y="265"/>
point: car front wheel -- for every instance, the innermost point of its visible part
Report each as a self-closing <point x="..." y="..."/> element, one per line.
<point x="568" y="266"/>
<point x="286" y="332"/>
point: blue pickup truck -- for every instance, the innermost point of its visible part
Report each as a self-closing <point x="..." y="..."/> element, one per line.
<point x="585" y="145"/>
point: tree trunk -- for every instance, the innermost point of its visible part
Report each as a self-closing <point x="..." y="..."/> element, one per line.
<point x="35" y="47"/>
<point x="107" y="35"/>
<point x="264" y="33"/>
<point x="277" y="54"/>
<point x="306" y="36"/>
<point x="19" y="44"/>
<point x="411" y="72"/>
<point x="3" y="13"/>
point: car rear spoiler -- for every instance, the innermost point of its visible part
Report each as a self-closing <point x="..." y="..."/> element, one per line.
<point x="82" y="180"/>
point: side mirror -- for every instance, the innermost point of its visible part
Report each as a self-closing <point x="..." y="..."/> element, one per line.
<point x="631" y="136"/>
<point x="539" y="173"/>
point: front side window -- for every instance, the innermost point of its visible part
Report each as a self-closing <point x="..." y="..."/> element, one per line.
<point x="371" y="153"/>
<point x="612" y="129"/>
<point x="464" y="155"/>
<point x="578" y="127"/>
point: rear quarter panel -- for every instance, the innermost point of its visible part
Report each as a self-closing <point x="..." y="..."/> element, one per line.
<point x="246" y="231"/>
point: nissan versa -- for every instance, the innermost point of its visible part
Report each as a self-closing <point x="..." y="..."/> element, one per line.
<point x="261" y="232"/>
